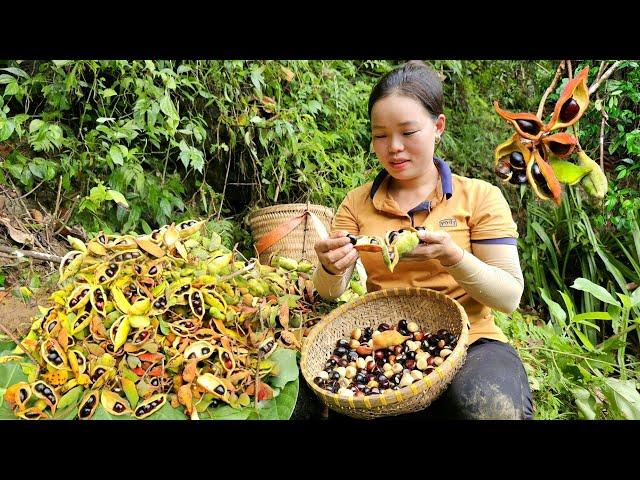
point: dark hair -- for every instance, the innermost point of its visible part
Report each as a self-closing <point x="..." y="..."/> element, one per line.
<point x="415" y="80"/>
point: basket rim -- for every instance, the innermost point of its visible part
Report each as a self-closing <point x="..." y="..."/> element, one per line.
<point x="390" y="396"/>
<point x="291" y="206"/>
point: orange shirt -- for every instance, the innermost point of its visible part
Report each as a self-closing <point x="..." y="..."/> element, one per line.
<point x="470" y="210"/>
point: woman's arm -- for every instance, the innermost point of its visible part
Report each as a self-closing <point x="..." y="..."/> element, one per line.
<point x="491" y="275"/>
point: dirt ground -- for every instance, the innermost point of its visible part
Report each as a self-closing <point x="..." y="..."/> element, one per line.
<point x="16" y="314"/>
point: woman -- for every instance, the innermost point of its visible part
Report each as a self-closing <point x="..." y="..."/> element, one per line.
<point x="469" y="244"/>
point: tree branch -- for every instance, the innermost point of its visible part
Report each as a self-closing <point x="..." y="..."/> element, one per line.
<point x="604" y="76"/>
<point x="30" y="253"/>
<point x="550" y="89"/>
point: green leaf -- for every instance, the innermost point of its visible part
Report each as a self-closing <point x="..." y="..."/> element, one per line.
<point x="595" y="290"/>
<point x="108" y="92"/>
<point x="585" y="402"/>
<point x="167" y="412"/>
<point x="280" y="407"/>
<point x="116" y="155"/>
<point x="167" y="107"/>
<point x="554" y="308"/>
<point x="7" y="126"/>
<point x="61" y="63"/>
<point x="117" y="197"/>
<point x="583" y="338"/>
<point x="226" y="412"/>
<point x="286" y="365"/>
<point x="5" y="410"/>
<point x="624" y="395"/>
<point x="592" y="316"/>
<point x="35" y="125"/>
<point x="72" y="397"/>
<point x="635" y="297"/>
<point x="16" y="71"/>
<point x="10" y="374"/>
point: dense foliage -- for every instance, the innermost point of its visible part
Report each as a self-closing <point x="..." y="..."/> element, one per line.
<point x="219" y="139"/>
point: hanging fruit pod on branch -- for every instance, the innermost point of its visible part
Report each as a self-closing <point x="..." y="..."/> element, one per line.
<point x="560" y="144"/>
<point x="572" y="103"/>
<point x="595" y="182"/>
<point x="542" y="179"/>
<point x="511" y="158"/>
<point x="527" y="124"/>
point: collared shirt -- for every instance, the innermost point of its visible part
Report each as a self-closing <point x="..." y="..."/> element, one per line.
<point x="470" y="210"/>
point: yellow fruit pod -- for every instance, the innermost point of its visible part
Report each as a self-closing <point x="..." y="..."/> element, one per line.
<point x="88" y="405"/>
<point x="595" y="183"/>
<point x="572" y="103"/>
<point x="542" y="179"/>
<point x="506" y="148"/>
<point x="18" y="395"/>
<point x="119" y="331"/>
<point x="150" y="247"/>
<point x="560" y="145"/>
<point x="114" y="403"/>
<point x="526" y="124"/>
<point x="369" y="244"/>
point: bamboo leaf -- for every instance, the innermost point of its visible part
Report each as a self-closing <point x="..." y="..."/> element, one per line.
<point x="595" y="290"/>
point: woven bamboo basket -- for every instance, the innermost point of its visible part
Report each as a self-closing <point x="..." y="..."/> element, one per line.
<point x="297" y="243"/>
<point x="431" y="310"/>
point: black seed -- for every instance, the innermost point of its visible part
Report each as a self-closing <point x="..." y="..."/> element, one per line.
<point x="528" y="127"/>
<point x="46" y="391"/>
<point x="569" y="110"/>
<point x="39" y="387"/>
<point x="516" y="159"/>
<point x="205" y="350"/>
<point x="153" y="270"/>
<point x="23" y="395"/>
<point x="155" y="382"/>
<point x="85" y="412"/>
<point x="90" y="401"/>
<point x="219" y="390"/>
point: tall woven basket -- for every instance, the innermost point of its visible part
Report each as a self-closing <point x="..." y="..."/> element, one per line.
<point x="289" y="230"/>
<point x="431" y="310"/>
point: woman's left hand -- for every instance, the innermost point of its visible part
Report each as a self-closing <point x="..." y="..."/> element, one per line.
<point x="439" y="246"/>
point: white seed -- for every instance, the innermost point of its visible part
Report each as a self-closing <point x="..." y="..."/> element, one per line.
<point x="372" y="384"/>
<point x="437" y="361"/>
<point x="413" y="346"/>
<point x="389" y="373"/>
<point x="341" y="371"/>
<point x="413" y="327"/>
<point x="416" y="374"/>
<point x="345" y="392"/>
<point x="343" y="382"/>
<point x="368" y="359"/>
<point x="350" y="372"/>
<point x="445" y="352"/>
<point x="352" y="364"/>
<point x="323" y="375"/>
<point x="421" y="355"/>
<point x="375" y="333"/>
<point x="370" y="343"/>
<point x="387" y="366"/>
<point x="422" y="364"/>
<point x="406" y="380"/>
<point x="397" y="367"/>
<point x="361" y="362"/>
<point x="353" y="344"/>
<point x="356" y="333"/>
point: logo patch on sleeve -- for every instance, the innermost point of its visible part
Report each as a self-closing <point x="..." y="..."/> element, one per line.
<point x="448" y="222"/>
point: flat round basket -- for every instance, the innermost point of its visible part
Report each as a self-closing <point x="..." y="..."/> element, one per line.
<point x="431" y="310"/>
<point x="297" y="243"/>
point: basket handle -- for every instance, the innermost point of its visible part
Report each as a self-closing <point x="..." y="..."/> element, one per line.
<point x="281" y="231"/>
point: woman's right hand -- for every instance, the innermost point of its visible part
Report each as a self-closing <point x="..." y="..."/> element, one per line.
<point x="336" y="253"/>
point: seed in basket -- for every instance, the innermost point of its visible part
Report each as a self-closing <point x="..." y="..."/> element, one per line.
<point x="388" y="338"/>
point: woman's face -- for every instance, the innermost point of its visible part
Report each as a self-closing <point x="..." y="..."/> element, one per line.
<point x="403" y="135"/>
